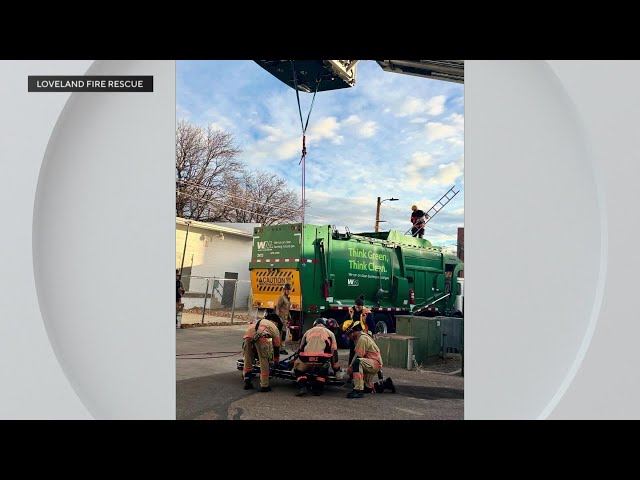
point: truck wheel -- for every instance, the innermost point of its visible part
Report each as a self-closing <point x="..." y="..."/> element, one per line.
<point x="383" y="323"/>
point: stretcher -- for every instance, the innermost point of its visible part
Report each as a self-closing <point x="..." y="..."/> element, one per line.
<point x="284" y="370"/>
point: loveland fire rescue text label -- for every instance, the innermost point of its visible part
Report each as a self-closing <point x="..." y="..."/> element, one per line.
<point x="90" y="83"/>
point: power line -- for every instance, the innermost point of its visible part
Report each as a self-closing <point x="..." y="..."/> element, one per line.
<point x="208" y="189"/>
<point x="428" y="226"/>
<point x="229" y="206"/>
<point x="392" y="208"/>
<point x="238" y="208"/>
<point x="447" y="234"/>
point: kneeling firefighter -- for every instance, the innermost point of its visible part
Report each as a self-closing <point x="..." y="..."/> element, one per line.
<point x="261" y="339"/>
<point x="363" y="314"/>
<point x="318" y="352"/>
<point x="367" y="362"/>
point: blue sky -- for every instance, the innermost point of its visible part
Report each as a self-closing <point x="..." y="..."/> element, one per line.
<point x="390" y="135"/>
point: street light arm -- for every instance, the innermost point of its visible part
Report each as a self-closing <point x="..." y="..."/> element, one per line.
<point x="380" y="202"/>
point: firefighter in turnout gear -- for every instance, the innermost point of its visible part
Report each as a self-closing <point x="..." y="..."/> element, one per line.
<point x="261" y="339"/>
<point x="367" y="361"/>
<point x="418" y="220"/>
<point x="283" y="307"/>
<point x="360" y="312"/>
<point x="318" y="353"/>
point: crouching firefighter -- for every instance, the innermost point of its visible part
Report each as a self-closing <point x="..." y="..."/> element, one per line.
<point x="366" y="363"/>
<point x="318" y="353"/>
<point x="261" y="339"/>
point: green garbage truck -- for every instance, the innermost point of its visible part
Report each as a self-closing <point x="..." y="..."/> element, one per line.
<point x="397" y="273"/>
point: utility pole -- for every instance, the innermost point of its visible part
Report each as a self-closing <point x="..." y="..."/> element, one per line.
<point x="184" y="251"/>
<point x="378" y="210"/>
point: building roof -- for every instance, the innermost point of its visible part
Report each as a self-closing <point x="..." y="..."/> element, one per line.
<point x="244" y="227"/>
<point x="213" y="227"/>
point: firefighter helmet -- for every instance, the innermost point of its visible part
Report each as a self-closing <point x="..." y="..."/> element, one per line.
<point x="351" y="326"/>
<point x="320" y="321"/>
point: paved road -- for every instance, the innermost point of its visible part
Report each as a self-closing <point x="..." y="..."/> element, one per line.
<point x="212" y="389"/>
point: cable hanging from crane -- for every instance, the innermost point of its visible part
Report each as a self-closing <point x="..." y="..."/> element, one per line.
<point x="304" y="130"/>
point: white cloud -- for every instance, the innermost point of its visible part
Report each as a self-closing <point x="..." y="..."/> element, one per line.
<point x="435" y="106"/>
<point x="456" y="120"/>
<point x="421" y="159"/>
<point x="326" y="127"/>
<point x="418" y="120"/>
<point x="368" y="129"/>
<point x="284" y="143"/>
<point x="273" y="134"/>
<point x="440" y="131"/>
<point x="220" y="121"/>
<point x="352" y="120"/>
<point x="288" y="149"/>
<point x="414" y="105"/>
<point x="414" y="169"/>
<point x="452" y="131"/>
<point x="411" y="106"/>
<point x="447" y="174"/>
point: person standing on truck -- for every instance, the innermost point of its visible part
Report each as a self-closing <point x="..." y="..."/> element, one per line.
<point x="261" y="339"/>
<point x="283" y="309"/>
<point x="367" y="361"/>
<point x="318" y="352"/>
<point x="419" y="220"/>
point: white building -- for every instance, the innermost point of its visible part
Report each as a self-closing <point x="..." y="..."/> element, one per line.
<point x="212" y="252"/>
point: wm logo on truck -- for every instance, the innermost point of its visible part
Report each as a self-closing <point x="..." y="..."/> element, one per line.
<point x="352" y="282"/>
<point x="265" y="245"/>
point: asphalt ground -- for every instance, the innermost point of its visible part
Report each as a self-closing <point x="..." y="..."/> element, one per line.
<point x="209" y="387"/>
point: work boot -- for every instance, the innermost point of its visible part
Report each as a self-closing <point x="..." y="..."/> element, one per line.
<point x="389" y="384"/>
<point x="265" y="389"/>
<point x="302" y="389"/>
<point x="368" y="390"/>
<point x="283" y="352"/>
<point x="355" y="394"/>
<point x="247" y="384"/>
<point x="317" y="390"/>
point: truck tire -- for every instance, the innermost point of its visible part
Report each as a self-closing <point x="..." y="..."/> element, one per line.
<point x="383" y="323"/>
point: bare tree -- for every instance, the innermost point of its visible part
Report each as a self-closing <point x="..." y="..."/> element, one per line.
<point x="212" y="185"/>
<point x="265" y="198"/>
<point x="206" y="164"/>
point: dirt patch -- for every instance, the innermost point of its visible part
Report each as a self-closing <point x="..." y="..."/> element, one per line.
<point x="452" y="363"/>
<point x="216" y="324"/>
<point x="239" y="316"/>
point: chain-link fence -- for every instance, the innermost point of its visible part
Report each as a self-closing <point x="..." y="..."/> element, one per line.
<point x="213" y="300"/>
